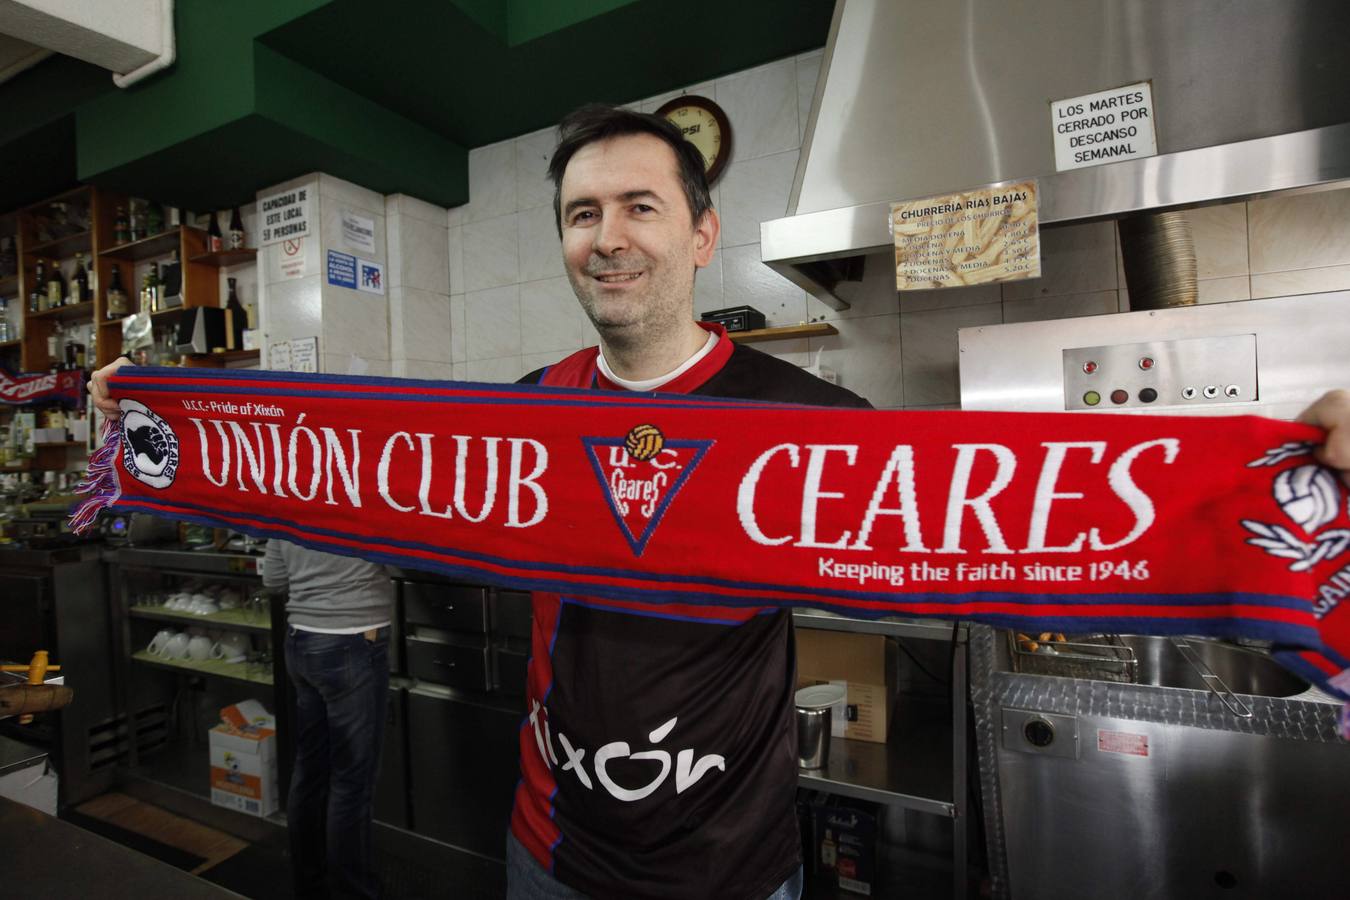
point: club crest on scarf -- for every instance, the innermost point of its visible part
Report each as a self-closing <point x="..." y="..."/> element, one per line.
<point x="640" y="475"/>
<point x="151" y="447"/>
<point x="1309" y="497"/>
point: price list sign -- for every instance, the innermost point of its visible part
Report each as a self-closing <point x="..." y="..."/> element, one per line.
<point x="975" y="237"/>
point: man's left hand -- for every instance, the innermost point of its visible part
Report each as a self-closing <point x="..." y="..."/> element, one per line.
<point x="1332" y="412"/>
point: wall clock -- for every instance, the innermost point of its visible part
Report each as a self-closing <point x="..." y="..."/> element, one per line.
<point x="705" y="126"/>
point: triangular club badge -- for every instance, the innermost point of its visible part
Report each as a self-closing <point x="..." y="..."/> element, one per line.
<point x="639" y="475"/>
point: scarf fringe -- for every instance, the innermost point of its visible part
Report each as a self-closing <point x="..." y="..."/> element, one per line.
<point x="101" y="483"/>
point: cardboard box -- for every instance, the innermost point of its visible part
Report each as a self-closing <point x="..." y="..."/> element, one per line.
<point x="866" y="668"/>
<point x="244" y="760"/>
<point x="846" y="844"/>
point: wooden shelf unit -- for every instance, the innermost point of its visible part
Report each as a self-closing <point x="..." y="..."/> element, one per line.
<point x="38" y="325"/>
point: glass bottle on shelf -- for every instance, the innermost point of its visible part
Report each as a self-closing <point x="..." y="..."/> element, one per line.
<point x="9" y="263"/>
<point x="74" y="352"/>
<point x="5" y="336"/>
<point x="79" y="282"/>
<point x="143" y="303"/>
<point x="214" y="244"/>
<point x="137" y="214"/>
<point x="54" y="347"/>
<point x="121" y="227"/>
<point x="236" y="319"/>
<point x="236" y="230"/>
<point x="117" y="297"/>
<point x="154" y="218"/>
<point x="37" y="295"/>
<point x="55" y="286"/>
<point x="90" y="279"/>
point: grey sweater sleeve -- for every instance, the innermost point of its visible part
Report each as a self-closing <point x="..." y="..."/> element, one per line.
<point x="329" y="591"/>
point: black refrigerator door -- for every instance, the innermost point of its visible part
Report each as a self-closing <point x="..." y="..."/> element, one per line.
<point x="391" y="784"/>
<point x="463" y="769"/>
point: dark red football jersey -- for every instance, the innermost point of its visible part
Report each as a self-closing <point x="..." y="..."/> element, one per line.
<point x="658" y="755"/>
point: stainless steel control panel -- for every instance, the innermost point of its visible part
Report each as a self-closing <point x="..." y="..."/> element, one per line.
<point x="1158" y="374"/>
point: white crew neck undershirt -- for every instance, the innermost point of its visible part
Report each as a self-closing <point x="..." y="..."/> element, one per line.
<point x="652" y="384"/>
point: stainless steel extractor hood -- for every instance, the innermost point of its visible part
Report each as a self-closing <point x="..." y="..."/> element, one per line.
<point x="918" y="98"/>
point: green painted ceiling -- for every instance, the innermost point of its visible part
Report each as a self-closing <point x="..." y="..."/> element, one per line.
<point x="389" y="95"/>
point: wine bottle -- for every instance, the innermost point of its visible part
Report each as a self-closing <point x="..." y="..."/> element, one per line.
<point x="214" y="244"/>
<point x="236" y="230"/>
<point x="236" y="319"/>
<point x="117" y="296"/>
<point x="55" y="287"/>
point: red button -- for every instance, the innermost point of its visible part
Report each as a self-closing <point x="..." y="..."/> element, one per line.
<point x="1146" y="363"/>
<point x="1118" y="397"/>
<point x="1089" y="367"/>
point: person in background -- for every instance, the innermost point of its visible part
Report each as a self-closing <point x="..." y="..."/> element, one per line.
<point x="337" y="657"/>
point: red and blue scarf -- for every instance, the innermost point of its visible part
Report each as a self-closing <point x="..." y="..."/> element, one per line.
<point x="1040" y="522"/>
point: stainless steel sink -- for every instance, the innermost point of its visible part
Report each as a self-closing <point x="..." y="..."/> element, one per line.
<point x="1159" y="662"/>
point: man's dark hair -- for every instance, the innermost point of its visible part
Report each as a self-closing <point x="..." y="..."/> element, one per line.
<point x="599" y="122"/>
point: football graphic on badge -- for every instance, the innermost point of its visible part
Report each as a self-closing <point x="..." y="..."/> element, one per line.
<point x="644" y="442"/>
<point x="149" y="446"/>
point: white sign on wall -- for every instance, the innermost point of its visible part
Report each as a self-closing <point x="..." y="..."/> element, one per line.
<point x="279" y="356"/>
<point x="1104" y="127"/>
<point x="283" y="215"/>
<point x="305" y="354"/>
<point x="292" y="258"/>
<point x="358" y="232"/>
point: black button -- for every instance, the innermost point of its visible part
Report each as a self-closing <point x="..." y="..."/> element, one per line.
<point x="1148" y="395"/>
<point x="1039" y="733"/>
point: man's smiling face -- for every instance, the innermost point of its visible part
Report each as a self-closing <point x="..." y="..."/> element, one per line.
<point x="629" y="243"/>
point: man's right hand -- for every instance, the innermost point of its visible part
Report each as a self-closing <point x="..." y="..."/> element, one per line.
<point x="98" y="389"/>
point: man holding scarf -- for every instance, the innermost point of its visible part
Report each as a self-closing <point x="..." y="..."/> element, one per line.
<point x="657" y="752"/>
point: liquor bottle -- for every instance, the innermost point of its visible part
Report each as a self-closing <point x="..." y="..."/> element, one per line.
<point x="214" y="244"/>
<point x="236" y="230"/>
<point x="79" y="282"/>
<point x="236" y="319"/>
<point x="121" y="227"/>
<point x="90" y="279"/>
<point x="137" y="210"/>
<point x="5" y="336"/>
<point x="37" y="296"/>
<point x="56" y="288"/>
<point x="117" y="297"/>
<point x="54" y="348"/>
<point x="155" y="286"/>
<point x="154" y="218"/>
<point x="9" y="263"/>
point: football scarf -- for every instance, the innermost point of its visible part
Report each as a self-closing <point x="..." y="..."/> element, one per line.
<point x="42" y="388"/>
<point x="1039" y="522"/>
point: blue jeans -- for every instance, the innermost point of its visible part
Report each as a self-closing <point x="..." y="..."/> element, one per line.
<point x="341" y="690"/>
<point x="527" y="880"/>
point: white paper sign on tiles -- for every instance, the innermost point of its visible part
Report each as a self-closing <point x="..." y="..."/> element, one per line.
<point x="305" y="354"/>
<point x="283" y="215"/>
<point x="1104" y="127"/>
<point x="279" y="356"/>
<point x="292" y="258"/>
<point x="358" y="232"/>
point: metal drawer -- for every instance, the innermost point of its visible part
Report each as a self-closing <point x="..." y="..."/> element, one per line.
<point x="511" y="668"/>
<point x="454" y="665"/>
<point x="512" y="614"/>
<point x="453" y="606"/>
